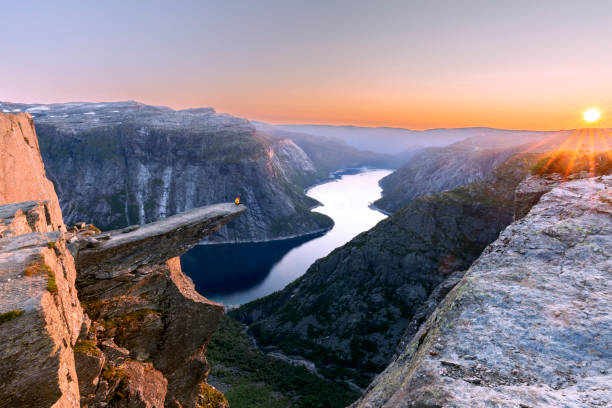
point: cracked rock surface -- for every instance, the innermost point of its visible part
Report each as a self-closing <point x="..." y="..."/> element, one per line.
<point x="529" y="325"/>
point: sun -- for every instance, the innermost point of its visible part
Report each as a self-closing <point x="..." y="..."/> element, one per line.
<point x="591" y="115"/>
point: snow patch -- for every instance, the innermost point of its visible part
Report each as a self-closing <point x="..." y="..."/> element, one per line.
<point x="38" y="108"/>
<point x="89" y="113"/>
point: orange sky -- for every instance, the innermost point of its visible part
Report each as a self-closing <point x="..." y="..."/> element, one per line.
<point x="416" y="64"/>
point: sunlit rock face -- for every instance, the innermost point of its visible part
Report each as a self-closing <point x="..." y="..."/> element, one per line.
<point x="529" y="324"/>
<point x="22" y="170"/>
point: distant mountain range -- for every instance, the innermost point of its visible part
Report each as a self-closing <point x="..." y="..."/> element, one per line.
<point x="397" y="140"/>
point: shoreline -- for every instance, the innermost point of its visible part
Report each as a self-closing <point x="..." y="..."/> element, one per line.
<point x="335" y="175"/>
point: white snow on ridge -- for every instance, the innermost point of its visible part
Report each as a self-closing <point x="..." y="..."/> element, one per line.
<point x="38" y="108"/>
<point x="16" y="110"/>
<point x="89" y="113"/>
<point x="5" y="110"/>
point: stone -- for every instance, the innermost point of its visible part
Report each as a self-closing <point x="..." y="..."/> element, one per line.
<point x="38" y="280"/>
<point x="23" y="172"/>
<point x="534" y="310"/>
<point x="154" y="243"/>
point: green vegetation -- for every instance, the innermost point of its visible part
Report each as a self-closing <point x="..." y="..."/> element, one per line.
<point x="257" y="380"/>
<point x="136" y="316"/>
<point x="37" y="268"/>
<point x="51" y="245"/>
<point x="51" y="284"/>
<point x="210" y="397"/>
<point x="10" y="315"/>
<point x="118" y="381"/>
<point x="86" y="347"/>
<point x="567" y="162"/>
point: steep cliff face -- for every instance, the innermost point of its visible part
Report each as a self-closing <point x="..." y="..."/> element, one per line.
<point x="529" y="325"/>
<point x="21" y="165"/>
<point x="124" y="327"/>
<point x="351" y="308"/>
<point x="127" y="163"/>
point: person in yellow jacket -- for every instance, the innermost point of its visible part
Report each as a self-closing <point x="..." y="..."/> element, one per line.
<point x="237" y="200"/>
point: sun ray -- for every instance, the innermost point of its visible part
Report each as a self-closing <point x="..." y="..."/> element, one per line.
<point x="603" y="135"/>
<point x="591" y="152"/>
<point x="540" y="143"/>
<point x="559" y="151"/>
<point x="575" y="152"/>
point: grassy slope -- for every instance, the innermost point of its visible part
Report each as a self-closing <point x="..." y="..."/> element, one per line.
<point x="251" y="379"/>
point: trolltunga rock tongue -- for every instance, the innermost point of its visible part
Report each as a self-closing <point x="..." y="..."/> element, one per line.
<point x="530" y="323"/>
<point x="117" y="252"/>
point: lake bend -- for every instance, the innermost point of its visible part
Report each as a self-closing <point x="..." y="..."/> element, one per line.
<point x="234" y="274"/>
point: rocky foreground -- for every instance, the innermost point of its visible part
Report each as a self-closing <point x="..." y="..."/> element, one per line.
<point x="96" y="319"/>
<point x="529" y="325"/>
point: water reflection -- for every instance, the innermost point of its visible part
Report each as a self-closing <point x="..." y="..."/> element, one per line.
<point x="238" y="273"/>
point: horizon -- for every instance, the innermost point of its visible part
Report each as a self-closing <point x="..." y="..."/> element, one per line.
<point x="301" y="123"/>
<point x="414" y="65"/>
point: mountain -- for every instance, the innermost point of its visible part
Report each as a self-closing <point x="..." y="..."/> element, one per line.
<point x="329" y="154"/>
<point x="433" y="170"/>
<point x="398" y="140"/>
<point x="116" y="164"/>
<point x="349" y="311"/>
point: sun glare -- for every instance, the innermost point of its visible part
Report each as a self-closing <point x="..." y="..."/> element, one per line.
<point x="591" y="115"/>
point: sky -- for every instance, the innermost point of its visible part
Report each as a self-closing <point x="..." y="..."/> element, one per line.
<point x="516" y="64"/>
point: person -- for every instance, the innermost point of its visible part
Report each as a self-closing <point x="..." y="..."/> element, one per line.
<point x="237" y="200"/>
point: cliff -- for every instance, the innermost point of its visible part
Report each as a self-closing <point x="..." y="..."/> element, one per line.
<point x="529" y="325"/>
<point x="97" y="319"/>
<point x="21" y="165"/>
<point x="351" y="308"/>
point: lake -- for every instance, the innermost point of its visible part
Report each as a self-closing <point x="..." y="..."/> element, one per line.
<point x="234" y="274"/>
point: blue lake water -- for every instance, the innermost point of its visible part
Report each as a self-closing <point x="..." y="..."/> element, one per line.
<point x="234" y="274"/>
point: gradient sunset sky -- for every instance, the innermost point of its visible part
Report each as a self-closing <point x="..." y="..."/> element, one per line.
<point x="416" y="64"/>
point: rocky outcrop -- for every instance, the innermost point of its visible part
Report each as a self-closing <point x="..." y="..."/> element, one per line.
<point x="149" y="328"/>
<point x="126" y="163"/>
<point x="122" y="251"/>
<point x="351" y="308"/>
<point x="40" y="315"/>
<point x="142" y="339"/>
<point x="529" y="325"/>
